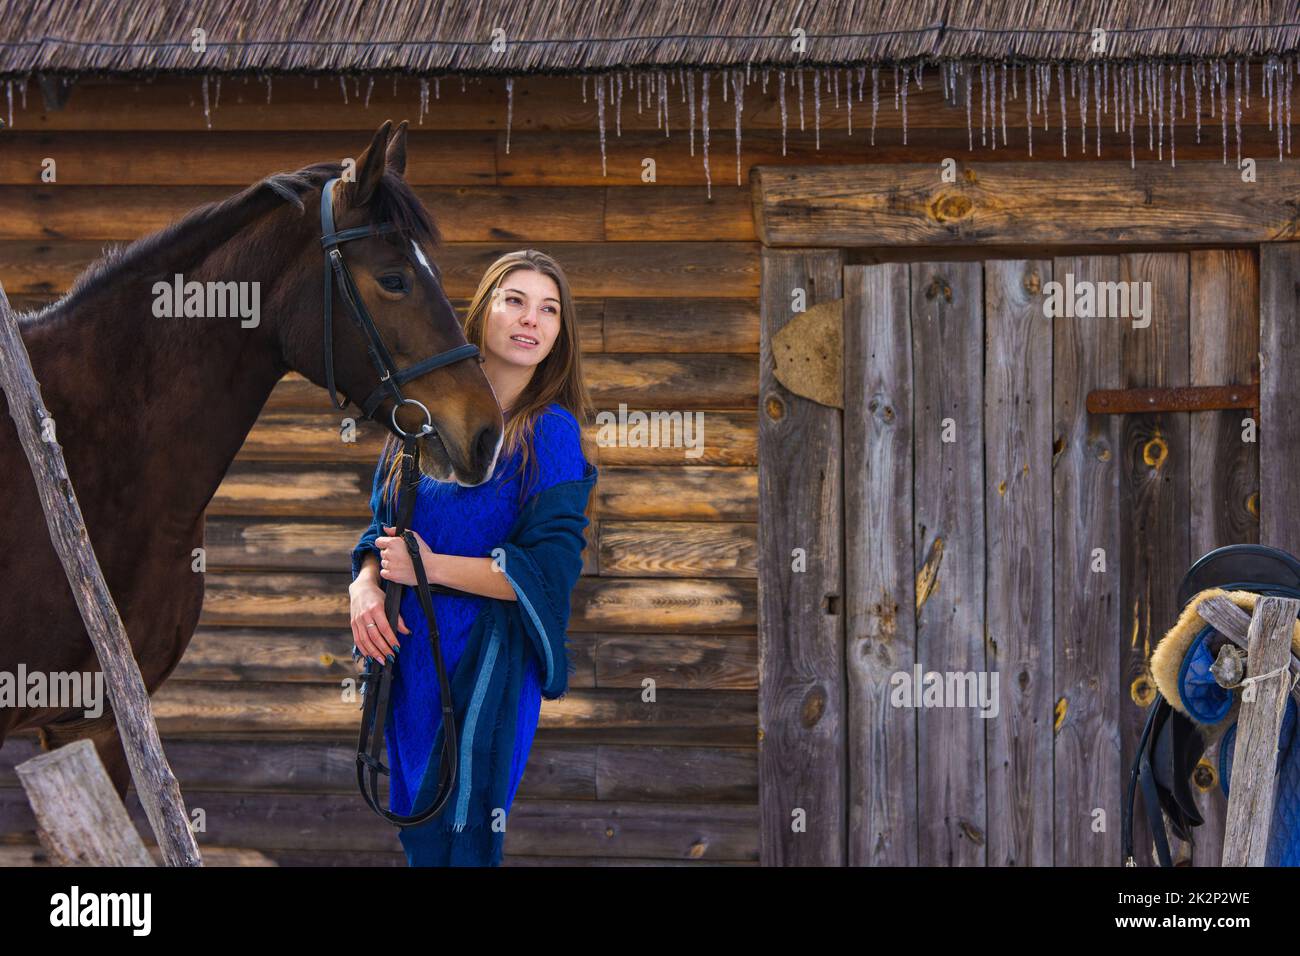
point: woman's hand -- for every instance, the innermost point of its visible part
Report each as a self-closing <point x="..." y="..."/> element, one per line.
<point x="371" y="632"/>
<point x="395" y="561"/>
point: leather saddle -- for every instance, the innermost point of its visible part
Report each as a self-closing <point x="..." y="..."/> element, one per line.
<point x="1192" y="711"/>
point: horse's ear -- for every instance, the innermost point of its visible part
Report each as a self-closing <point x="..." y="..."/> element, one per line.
<point x="397" y="149"/>
<point x="370" y="164"/>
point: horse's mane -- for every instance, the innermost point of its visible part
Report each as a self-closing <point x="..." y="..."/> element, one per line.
<point x="394" y="201"/>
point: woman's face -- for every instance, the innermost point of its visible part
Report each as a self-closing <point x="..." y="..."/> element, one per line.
<point x="523" y="319"/>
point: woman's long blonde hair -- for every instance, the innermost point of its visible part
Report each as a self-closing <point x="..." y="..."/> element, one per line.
<point x="557" y="378"/>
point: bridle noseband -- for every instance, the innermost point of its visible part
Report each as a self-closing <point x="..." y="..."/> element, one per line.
<point x="390" y="378"/>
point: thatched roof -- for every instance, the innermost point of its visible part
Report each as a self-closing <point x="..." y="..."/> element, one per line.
<point x="550" y="36"/>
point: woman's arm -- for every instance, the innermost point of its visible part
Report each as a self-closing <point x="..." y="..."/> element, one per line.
<point x="475" y="575"/>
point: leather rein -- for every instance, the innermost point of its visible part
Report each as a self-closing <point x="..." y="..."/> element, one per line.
<point x="376" y="680"/>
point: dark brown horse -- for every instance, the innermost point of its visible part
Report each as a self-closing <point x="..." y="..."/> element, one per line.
<point x="150" y="411"/>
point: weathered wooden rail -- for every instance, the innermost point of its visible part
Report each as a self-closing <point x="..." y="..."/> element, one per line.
<point x="159" y="792"/>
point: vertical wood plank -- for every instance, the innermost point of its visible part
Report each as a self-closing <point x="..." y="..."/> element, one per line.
<point x="1153" y="482"/>
<point x="1279" y="395"/>
<point x="948" y="550"/>
<point x="1018" y="516"/>
<point x="880" y="597"/>
<point x="1085" y="603"/>
<point x="1224" y="492"/>
<point x="802" y="774"/>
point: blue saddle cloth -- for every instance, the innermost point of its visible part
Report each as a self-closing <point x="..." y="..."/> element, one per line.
<point x="1208" y="703"/>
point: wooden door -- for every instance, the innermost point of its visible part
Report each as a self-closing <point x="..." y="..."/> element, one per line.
<point x="993" y="526"/>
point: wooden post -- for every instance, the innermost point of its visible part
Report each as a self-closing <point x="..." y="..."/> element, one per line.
<point x="81" y="820"/>
<point x="159" y="793"/>
<point x="1254" y="761"/>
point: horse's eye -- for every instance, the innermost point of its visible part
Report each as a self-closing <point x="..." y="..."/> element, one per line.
<point x="394" y="282"/>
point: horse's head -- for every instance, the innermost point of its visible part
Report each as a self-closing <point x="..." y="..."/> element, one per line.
<point x="398" y="284"/>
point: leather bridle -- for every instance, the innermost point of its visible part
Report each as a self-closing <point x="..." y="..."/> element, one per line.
<point x="390" y="378"/>
<point x="376" y="680"/>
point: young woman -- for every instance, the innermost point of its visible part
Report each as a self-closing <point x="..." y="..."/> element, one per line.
<point x="514" y="540"/>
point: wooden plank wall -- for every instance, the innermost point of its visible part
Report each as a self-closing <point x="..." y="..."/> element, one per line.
<point x="668" y="285"/>
<point x="1046" y="544"/>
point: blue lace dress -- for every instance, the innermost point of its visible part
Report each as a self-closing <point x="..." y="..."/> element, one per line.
<point x="469" y="522"/>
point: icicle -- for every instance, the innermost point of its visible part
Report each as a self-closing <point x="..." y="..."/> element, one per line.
<point x="584" y="87"/>
<point x="1029" y="113"/>
<point x="216" y="104"/>
<point x="862" y="81"/>
<point x="1159" y="75"/>
<point x="1045" y="89"/>
<point x="1182" y="86"/>
<point x="906" y="70"/>
<point x="1277" y="96"/>
<point x="766" y="71"/>
<point x="817" y="107"/>
<point x="9" y="97"/>
<point x="681" y="81"/>
<point x="638" y="94"/>
<point x="1128" y="96"/>
<point x="988" y="77"/>
<point x="895" y="87"/>
<point x="1196" y="83"/>
<point x="984" y="102"/>
<point x="370" y="86"/>
<point x="659" y="101"/>
<point x="780" y="83"/>
<point x="1266" y="81"/>
<point x="1115" y="94"/>
<point x="746" y="72"/>
<point x="1223" y="109"/>
<point x="875" y="102"/>
<point x="1236" y="100"/>
<point x="690" y="99"/>
<point x="704" y="128"/>
<point x="1247" y="87"/>
<point x="799" y="82"/>
<point x="1004" y="107"/>
<point x="663" y="96"/>
<point x="1287" y="94"/>
<point x="1149" y="83"/>
<point x="1083" y="106"/>
<point x="848" y="97"/>
<point x="599" y="83"/>
<point x="510" y="109"/>
<point x="835" y="87"/>
<point x="268" y="91"/>
<point x="739" y="97"/>
<point x="1173" y="116"/>
<point x="343" y="85"/>
<point x="22" y="88"/>
<point x="437" y="87"/>
<point x="970" y="136"/>
<point x="618" y="105"/>
<point x="1060" y="82"/>
<point x="1097" y="97"/>
<point x="424" y="98"/>
<point x="207" y="115"/>
<point x="724" y="85"/>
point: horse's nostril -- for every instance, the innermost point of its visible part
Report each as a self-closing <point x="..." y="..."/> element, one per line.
<point x="486" y="443"/>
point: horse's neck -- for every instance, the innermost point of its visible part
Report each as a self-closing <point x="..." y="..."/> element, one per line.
<point x="158" y="404"/>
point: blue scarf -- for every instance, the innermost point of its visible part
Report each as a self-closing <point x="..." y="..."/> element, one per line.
<point x="542" y="562"/>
